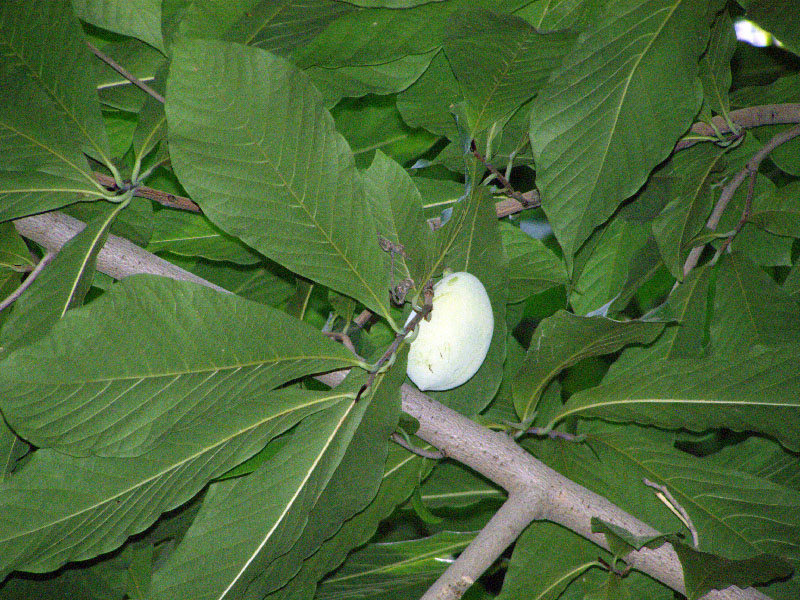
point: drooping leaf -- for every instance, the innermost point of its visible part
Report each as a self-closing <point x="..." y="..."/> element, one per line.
<point x="607" y="264"/>
<point x="109" y="499"/>
<point x="598" y="111"/>
<point x="397" y="206"/>
<point x="282" y="26"/>
<point x="385" y="78"/>
<point x="11" y="450"/>
<point x="246" y="523"/>
<point x="500" y="62"/>
<point x="44" y="49"/>
<point x="704" y="572"/>
<point x="14" y="253"/>
<point x="755" y="390"/>
<point x="376" y="124"/>
<point x="470" y="241"/>
<point x="150" y="356"/>
<point x="61" y="286"/>
<point x="532" y="267"/>
<point x="394" y="569"/>
<point x="622" y="541"/>
<point x="715" y="65"/>
<point x="427" y="102"/>
<point x="687" y="187"/>
<point x="352" y="486"/>
<point x="736" y="514"/>
<point x="778" y="212"/>
<point x="252" y="143"/>
<point x="564" y="339"/>
<point x="140" y="19"/>
<point x="402" y="474"/>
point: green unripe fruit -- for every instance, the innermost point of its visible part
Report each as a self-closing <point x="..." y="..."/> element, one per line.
<point x="451" y="347"/>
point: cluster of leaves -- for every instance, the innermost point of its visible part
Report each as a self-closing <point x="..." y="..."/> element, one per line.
<point x="165" y="440"/>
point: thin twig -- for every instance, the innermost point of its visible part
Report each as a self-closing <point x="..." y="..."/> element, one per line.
<point x="663" y="494"/>
<point x="750" y="169"/>
<point x="748" y="204"/>
<point x="163" y="198"/>
<point x="426" y="309"/>
<point x="125" y="73"/>
<point x="13" y="296"/>
<point x="344" y="339"/>
<point x="518" y="196"/>
<point x="433" y="455"/>
<point x="744" y="118"/>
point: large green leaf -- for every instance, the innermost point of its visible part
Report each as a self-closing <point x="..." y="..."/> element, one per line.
<point x="532" y="267"/>
<point x="44" y="47"/>
<point x="150" y="356"/>
<point x="109" y="499"/>
<point x="253" y="145"/>
<point x="564" y="339"/>
<point x="61" y="286"/>
<point x="48" y="108"/>
<point x="599" y="110"/>
<point x="500" y="62"/>
<point x="755" y="390"/>
<point x="750" y="308"/>
<point x="138" y="18"/>
<point x="246" y="523"/>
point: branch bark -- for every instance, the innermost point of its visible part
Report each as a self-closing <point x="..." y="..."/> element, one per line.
<point x="745" y="118"/>
<point x="749" y="170"/>
<point x="535" y="490"/>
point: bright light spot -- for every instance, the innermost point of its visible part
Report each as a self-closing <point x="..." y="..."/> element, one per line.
<point x="749" y="32"/>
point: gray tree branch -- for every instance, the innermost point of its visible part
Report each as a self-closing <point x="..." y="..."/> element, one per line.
<point x="536" y="492"/>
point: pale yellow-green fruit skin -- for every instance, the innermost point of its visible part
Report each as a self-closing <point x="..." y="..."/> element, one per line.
<point x="451" y="347"/>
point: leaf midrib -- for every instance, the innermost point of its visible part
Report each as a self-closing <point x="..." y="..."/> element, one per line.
<point x="177" y="464"/>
